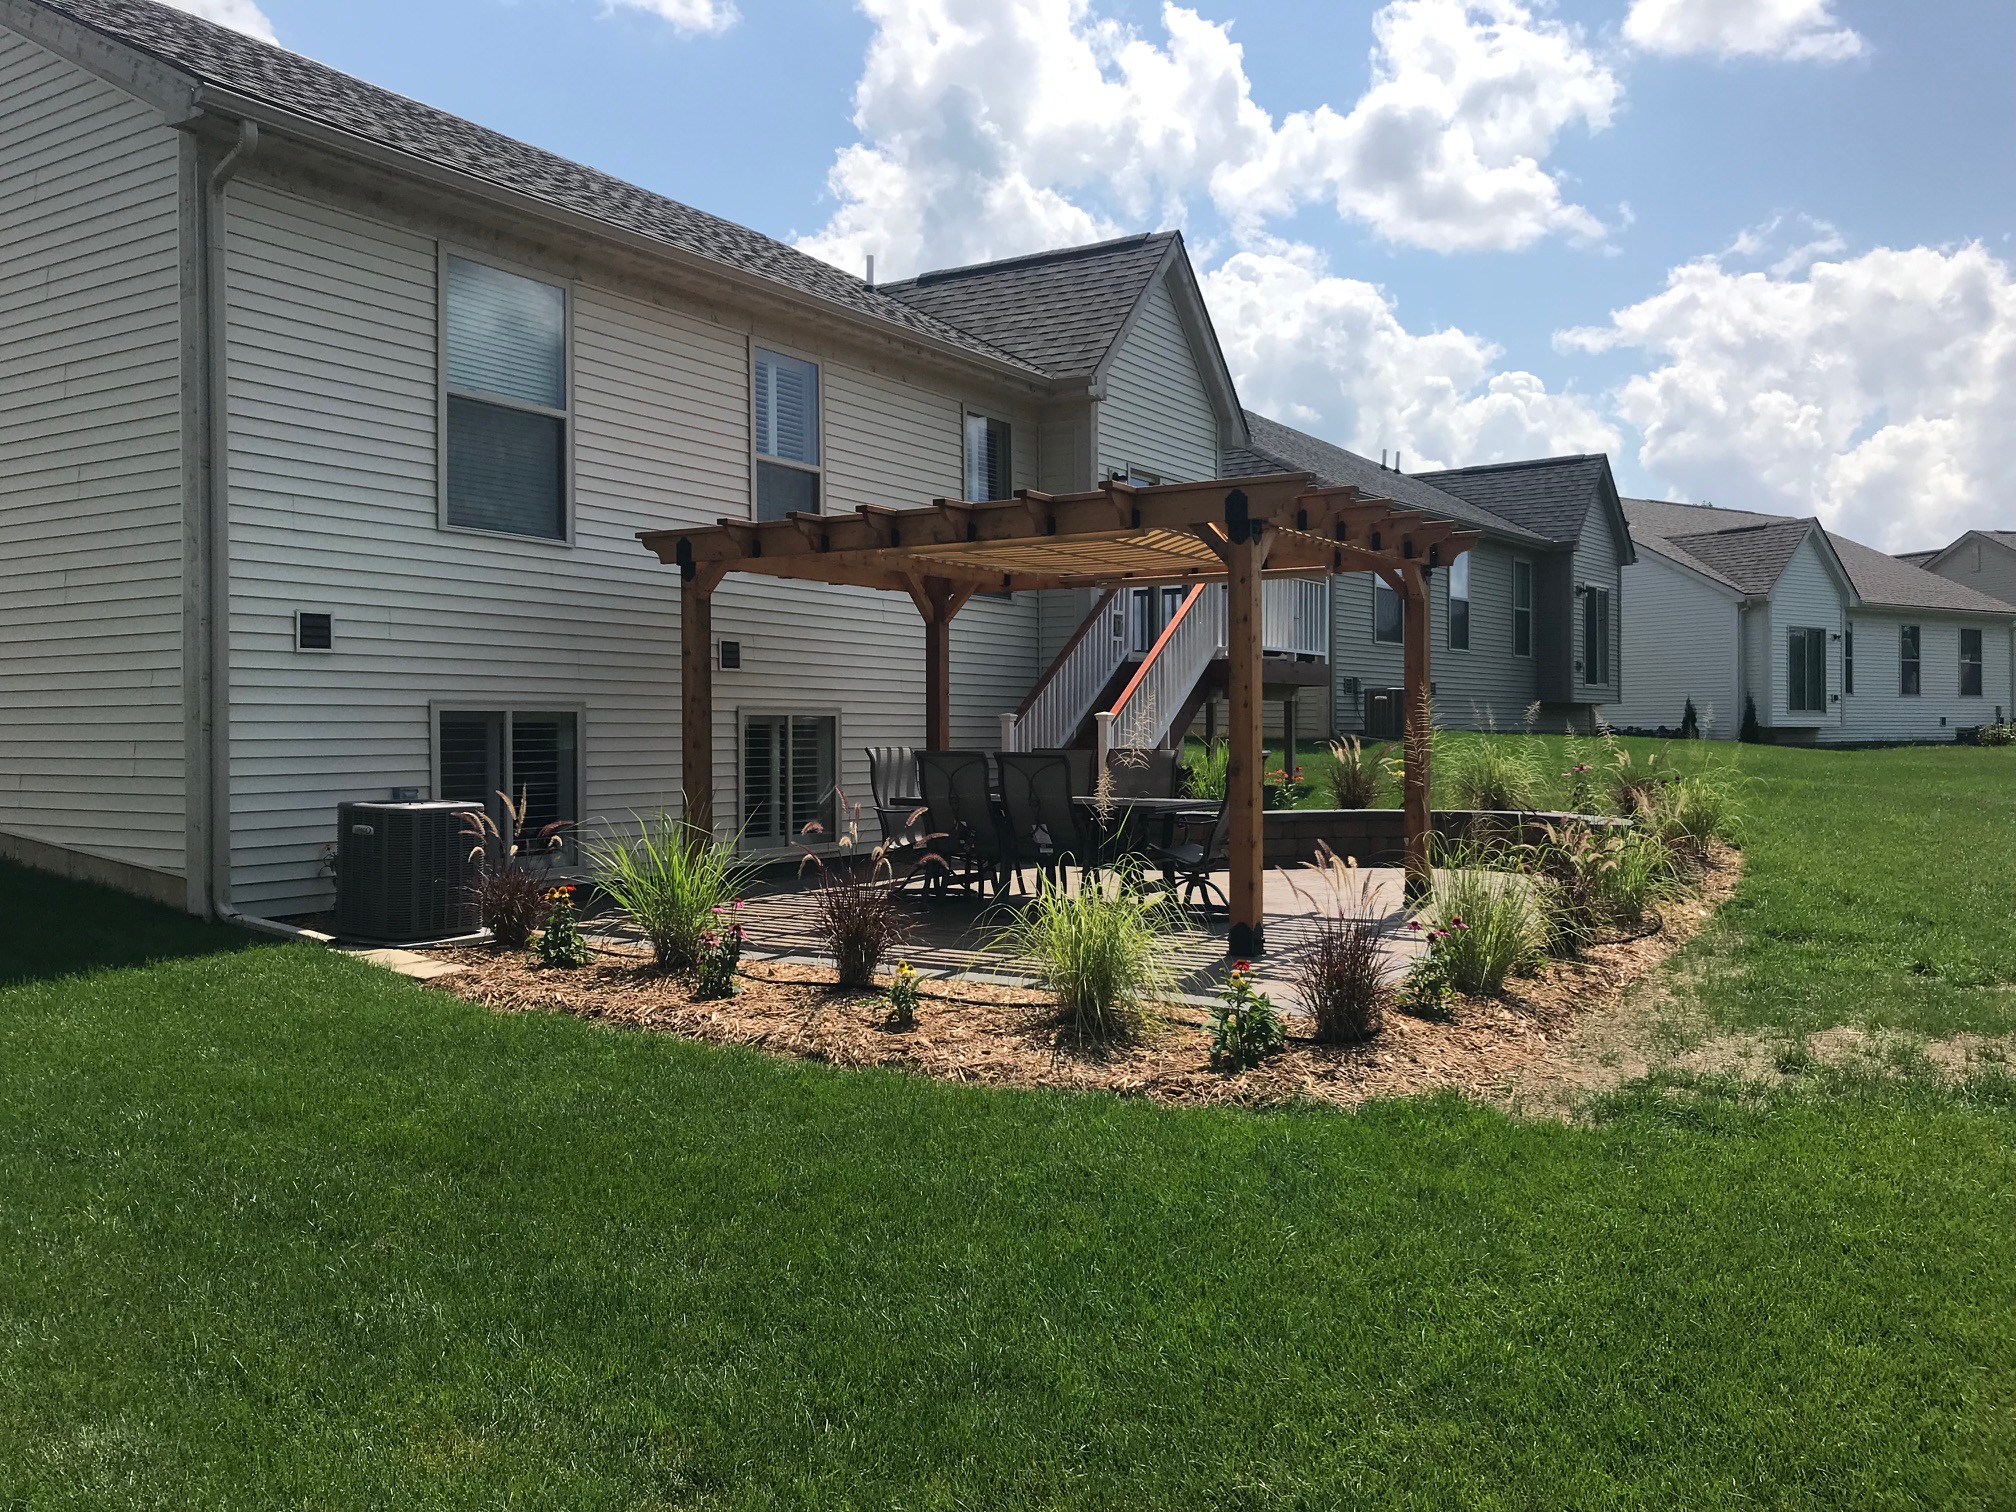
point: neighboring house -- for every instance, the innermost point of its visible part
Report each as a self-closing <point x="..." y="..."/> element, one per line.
<point x="1577" y="586"/>
<point x="1829" y="641"/>
<point x="333" y="420"/>
<point x="1984" y="560"/>
<point x="1497" y="618"/>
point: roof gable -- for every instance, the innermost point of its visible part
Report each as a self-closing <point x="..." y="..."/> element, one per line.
<point x="261" y="74"/>
<point x="1281" y="448"/>
<point x="1753" y="557"/>
<point x="1062" y="311"/>
<point x="1550" y="496"/>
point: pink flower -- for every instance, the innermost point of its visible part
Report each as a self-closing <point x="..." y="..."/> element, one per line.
<point x="1415" y="925"/>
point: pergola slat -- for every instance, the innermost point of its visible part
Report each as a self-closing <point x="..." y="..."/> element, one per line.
<point x="1237" y="530"/>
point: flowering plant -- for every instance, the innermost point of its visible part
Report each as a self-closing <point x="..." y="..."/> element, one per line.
<point x="1581" y="789"/>
<point x="1284" y="789"/>
<point x="903" y="996"/>
<point x="720" y="953"/>
<point x="560" y="943"/>
<point x="1245" y="1025"/>
<point x="1427" y="987"/>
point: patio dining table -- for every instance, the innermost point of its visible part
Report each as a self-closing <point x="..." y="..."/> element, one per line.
<point x="1116" y="815"/>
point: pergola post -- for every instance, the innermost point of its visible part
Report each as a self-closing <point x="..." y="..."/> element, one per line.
<point x="1418" y="820"/>
<point x="1245" y="552"/>
<point x="696" y="694"/>
<point x="938" y="601"/>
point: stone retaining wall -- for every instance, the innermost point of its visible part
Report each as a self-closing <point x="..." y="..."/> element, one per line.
<point x="1376" y="837"/>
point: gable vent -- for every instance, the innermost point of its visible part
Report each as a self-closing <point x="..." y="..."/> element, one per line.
<point x="314" y="632"/>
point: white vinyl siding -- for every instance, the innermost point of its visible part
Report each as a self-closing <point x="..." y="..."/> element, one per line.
<point x="1877" y="711"/>
<point x="1157" y="414"/>
<point x="1806" y="595"/>
<point x="1680" y="643"/>
<point x="1597" y="559"/>
<point x="91" y="712"/>
<point x="333" y="362"/>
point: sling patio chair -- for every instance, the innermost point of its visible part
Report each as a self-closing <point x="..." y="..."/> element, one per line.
<point x="1202" y="845"/>
<point x="1045" y="826"/>
<point x="963" y="844"/>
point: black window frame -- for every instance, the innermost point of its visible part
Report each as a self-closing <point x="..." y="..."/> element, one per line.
<point x="1522" y="607"/>
<point x="1971" y="664"/>
<point x="1910" y="661"/>
<point x="1596" y="606"/>
<point x="1806" y="670"/>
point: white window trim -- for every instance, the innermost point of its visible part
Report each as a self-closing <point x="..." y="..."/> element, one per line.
<point x="1916" y="660"/>
<point x="1820" y="707"/>
<point x="1377" y="639"/>
<point x="509" y="708"/>
<point x="1449" y="601"/>
<point x="1532" y="608"/>
<point x="818" y="470"/>
<point x="1960" y="661"/>
<point x="294" y="628"/>
<point x="571" y="289"/>
<point x="968" y="412"/>
<point x="792" y="845"/>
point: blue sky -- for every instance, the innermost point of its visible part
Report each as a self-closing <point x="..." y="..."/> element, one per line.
<point x="1758" y="250"/>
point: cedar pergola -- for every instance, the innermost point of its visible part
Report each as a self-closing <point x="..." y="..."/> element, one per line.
<point x="1240" y="531"/>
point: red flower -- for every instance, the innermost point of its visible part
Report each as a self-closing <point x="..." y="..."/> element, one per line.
<point x="1242" y="965"/>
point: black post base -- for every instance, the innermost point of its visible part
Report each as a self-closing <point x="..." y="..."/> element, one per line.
<point x="1248" y="940"/>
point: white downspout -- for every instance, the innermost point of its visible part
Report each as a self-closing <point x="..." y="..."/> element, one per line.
<point x="216" y="519"/>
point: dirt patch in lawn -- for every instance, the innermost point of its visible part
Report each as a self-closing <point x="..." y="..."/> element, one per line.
<point x="1001" y="1036"/>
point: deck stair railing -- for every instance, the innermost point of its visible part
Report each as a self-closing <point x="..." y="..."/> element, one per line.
<point x="1161" y="686"/>
<point x="1058" y="706"/>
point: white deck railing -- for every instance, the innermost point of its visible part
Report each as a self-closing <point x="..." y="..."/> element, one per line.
<point x="1295" y="618"/>
<point x="1294" y="621"/>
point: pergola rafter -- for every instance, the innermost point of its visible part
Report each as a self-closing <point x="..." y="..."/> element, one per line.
<point x="1236" y="530"/>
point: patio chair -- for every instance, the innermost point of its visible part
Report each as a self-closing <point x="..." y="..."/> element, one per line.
<point x="1044" y="826"/>
<point x="1142" y="772"/>
<point x="1080" y="762"/>
<point x="1203" y="845"/>
<point x="899" y="805"/>
<point x="963" y="832"/>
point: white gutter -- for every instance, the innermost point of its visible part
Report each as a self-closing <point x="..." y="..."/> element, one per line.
<point x="215" y="530"/>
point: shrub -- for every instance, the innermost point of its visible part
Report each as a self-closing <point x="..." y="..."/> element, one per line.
<point x="511" y="866"/>
<point x="1631" y="784"/>
<point x="560" y="942"/>
<point x="1103" y="951"/>
<point x="720" y="958"/>
<point x="1426" y="988"/>
<point x="1997" y="735"/>
<point x="1493" y="772"/>
<point x="1207" y="772"/>
<point x="1357" y="773"/>
<point x="1751" y="732"/>
<point x="903" y="996"/>
<point x="859" y="920"/>
<point x="1492" y="916"/>
<point x="667" y="880"/>
<point x="1589" y="877"/>
<point x="1244" y="1022"/>
<point x="1692" y="813"/>
<point x="1340" y="976"/>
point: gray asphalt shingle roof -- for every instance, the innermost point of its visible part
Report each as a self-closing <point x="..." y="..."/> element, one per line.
<point x="1281" y="448"/>
<point x="1880" y="581"/>
<point x="1550" y="496"/>
<point x="1753" y="557"/>
<point x="1061" y="311"/>
<point x="230" y="60"/>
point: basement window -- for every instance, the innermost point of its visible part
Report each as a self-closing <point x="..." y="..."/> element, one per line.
<point x="482" y="755"/>
<point x="790" y="770"/>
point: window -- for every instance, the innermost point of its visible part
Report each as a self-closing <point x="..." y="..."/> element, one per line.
<point x="1596" y="636"/>
<point x="1907" y="660"/>
<point x="788" y="778"/>
<point x="787" y="436"/>
<point x="1970" y="663"/>
<point x="989" y="464"/>
<point x="1807" y="683"/>
<point x="1848" y="662"/>
<point x="1387" y="624"/>
<point x="533" y="757"/>
<point x="1459" y="603"/>
<point x="1522" y="608"/>
<point x="505" y="366"/>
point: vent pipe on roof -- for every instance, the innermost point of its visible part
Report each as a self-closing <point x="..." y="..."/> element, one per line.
<point x="871" y="270"/>
<point x="1382" y="459"/>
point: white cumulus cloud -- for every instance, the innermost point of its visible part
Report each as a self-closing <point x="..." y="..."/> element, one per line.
<point x="242" y="15"/>
<point x="990" y="127"/>
<point x="1329" y="355"/>
<point x="698" y="17"/>
<point x="1791" y="29"/>
<point x="1876" y="391"/>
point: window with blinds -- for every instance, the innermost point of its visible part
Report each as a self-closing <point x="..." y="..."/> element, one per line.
<point x="1459" y="603"/>
<point x="504" y="340"/>
<point x="989" y="463"/>
<point x="534" y="758"/>
<point x="789" y="776"/>
<point x="786" y="435"/>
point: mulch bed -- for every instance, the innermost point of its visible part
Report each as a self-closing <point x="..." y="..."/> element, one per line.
<point x="1007" y="1037"/>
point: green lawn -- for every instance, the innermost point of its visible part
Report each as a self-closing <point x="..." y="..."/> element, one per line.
<point x="277" y="1230"/>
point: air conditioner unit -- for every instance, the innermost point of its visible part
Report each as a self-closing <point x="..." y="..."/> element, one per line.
<point x="404" y="873"/>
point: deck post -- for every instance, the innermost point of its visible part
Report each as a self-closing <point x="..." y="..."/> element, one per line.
<point x="1245" y="553"/>
<point x="938" y="601"/>
<point x="1419" y="744"/>
<point x="1288" y="761"/>
<point x="696" y="695"/>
